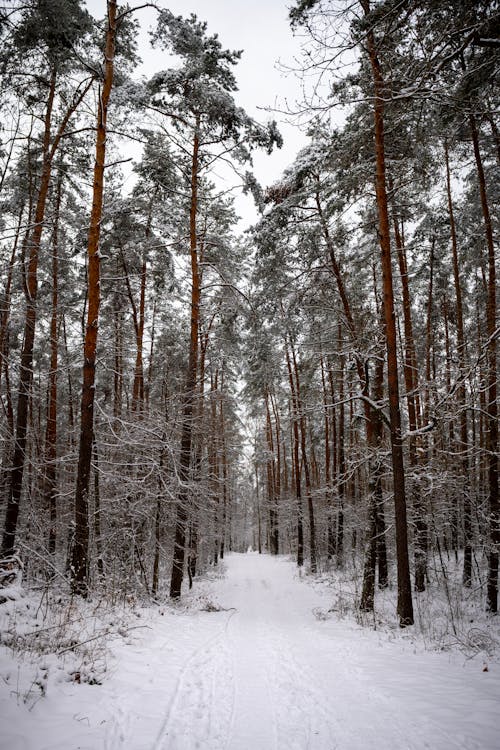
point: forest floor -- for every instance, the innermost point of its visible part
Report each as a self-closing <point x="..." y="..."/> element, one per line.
<point x="256" y="659"/>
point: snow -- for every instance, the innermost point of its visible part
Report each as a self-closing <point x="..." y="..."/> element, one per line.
<point x="254" y="660"/>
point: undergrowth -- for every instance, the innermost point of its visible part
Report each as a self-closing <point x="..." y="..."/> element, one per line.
<point x="448" y="615"/>
<point x="52" y="636"/>
<point x="49" y="636"/>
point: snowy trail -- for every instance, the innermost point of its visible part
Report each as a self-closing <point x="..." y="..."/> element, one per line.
<point x="265" y="674"/>
<point x="274" y="677"/>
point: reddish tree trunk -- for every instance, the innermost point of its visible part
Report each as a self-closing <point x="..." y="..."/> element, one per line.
<point x="80" y="555"/>
<point x="26" y="372"/>
<point x="31" y="288"/>
<point x="405" y="604"/>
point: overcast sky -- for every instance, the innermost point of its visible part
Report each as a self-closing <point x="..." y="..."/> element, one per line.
<point x="261" y="29"/>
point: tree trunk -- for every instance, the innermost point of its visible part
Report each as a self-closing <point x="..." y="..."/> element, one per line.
<point x="32" y="248"/>
<point x="294" y="414"/>
<point x="190" y="388"/>
<point x="492" y="408"/>
<point x="97" y="514"/>
<point x="156" y="558"/>
<point x="6" y="458"/>
<point x="117" y="357"/>
<point x="71" y="415"/>
<point x="410" y="376"/>
<point x="80" y="556"/>
<point x="271" y="482"/>
<point x="329" y="426"/>
<point x="461" y="395"/>
<point x="25" y="374"/>
<point x="5" y="309"/>
<point x="50" y="490"/>
<point x="138" y="316"/>
<point x="341" y="458"/>
<point x="225" y="477"/>
<point x="405" y="604"/>
<point x="372" y="418"/>
<point x="305" y="465"/>
<point x="277" y="489"/>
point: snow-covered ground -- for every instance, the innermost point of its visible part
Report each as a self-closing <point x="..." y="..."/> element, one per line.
<point x="256" y="663"/>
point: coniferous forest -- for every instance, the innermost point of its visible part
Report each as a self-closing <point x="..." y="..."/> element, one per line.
<point x="321" y="384"/>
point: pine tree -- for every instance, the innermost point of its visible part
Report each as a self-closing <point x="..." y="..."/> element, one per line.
<point x="198" y="98"/>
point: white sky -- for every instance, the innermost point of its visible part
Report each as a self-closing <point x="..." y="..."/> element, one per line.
<point x="262" y="30"/>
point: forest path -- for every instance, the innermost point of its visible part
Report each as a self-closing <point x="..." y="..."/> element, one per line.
<point x="271" y="675"/>
<point x="263" y="671"/>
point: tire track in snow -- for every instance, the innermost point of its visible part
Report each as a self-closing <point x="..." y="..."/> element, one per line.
<point x="188" y="720"/>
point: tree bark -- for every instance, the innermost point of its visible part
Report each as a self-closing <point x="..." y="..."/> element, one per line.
<point x="156" y="558"/>
<point x="50" y="490"/>
<point x="305" y="464"/>
<point x="296" y="461"/>
<point x="190" y="386"/>
<point x="492" y="408"/>
<point x="272" y="480"/>
<point x="5" y="308"/>
<point x="277" y="489"/>
<point x="330" y="451"/>
<point x="26" y="372"/>
<point x="411" y="382"/>
<point x="32" y="247"/>
<point x="341" y="457"/>
<point x="371" y="416"/>
<point x="405" y="604"/>
<point x="225" y="475"/>
<point x="97" y="514"/>
<point x="461" y="395"/>
<point x="376" y="549"/>
<point x="80" y="555"/>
